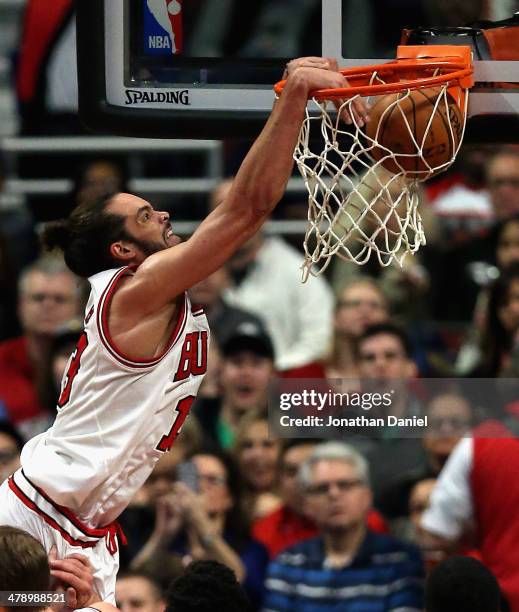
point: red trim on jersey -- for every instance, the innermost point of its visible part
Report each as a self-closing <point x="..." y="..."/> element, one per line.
<point x="106" y="338"/>
<point x="197" y="309"/>
<point x="89" y="315"/>
<point x="49" y="520"/>
<point x="88" y="531"/>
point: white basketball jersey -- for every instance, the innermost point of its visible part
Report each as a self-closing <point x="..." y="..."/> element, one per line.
<point x="116" y="415"/>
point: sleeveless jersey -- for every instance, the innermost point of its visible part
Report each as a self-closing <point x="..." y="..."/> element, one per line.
<point x="116" y="415"/>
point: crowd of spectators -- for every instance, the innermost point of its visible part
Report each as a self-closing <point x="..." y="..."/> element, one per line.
<point x="305" y="524"/>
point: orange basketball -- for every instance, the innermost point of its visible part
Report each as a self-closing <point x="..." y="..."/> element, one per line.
<point x="393" y="125"/>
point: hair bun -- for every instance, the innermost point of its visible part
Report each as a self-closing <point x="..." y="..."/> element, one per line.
<point x="56" y="234"/>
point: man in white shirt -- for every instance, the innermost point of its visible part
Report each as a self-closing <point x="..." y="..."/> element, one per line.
<point x="266" y="275"/>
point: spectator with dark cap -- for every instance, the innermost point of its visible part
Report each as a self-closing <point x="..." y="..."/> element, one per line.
<point x="206" y="586"/>
<point x="247" y="365"/>
<point x="462" y="584"/>
<point x="223" y="320"/>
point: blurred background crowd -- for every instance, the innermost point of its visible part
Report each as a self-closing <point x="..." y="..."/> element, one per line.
<point x="452" y="311"/>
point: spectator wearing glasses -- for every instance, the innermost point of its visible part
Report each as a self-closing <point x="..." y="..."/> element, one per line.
<point x="346" y="566"/>
<point x="289" y="524"/>
<point x="48" y="297"/>
<point x="209" y="523"/>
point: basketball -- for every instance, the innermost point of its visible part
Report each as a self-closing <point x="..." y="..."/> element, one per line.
<point x="397" y="118"/>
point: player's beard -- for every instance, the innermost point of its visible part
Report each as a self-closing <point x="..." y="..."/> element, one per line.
<point x="148" y="247"/>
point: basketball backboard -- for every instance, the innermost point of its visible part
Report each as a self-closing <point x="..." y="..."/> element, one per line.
<point x="205" y="68"/>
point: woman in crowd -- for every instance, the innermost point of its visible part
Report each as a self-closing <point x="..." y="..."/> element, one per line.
<point x="499" y="343"/>
<point x="209" y="523"/>
<point x="258" y="455"/>
<point x="506" y="256"/>
<point x="360" y="304"/>
<point x="138" y="518"/>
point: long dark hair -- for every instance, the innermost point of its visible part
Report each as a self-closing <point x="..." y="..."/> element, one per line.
<point x="85" y="237"/>
<point x="237" y="521"/>
<point x="497" y="341"/>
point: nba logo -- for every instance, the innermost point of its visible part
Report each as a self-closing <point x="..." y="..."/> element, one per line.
<point x="162" y="27"/>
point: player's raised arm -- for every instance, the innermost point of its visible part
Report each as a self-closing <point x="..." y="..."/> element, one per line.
<point x="257" y="188"/>
<point x="122" y="229"/>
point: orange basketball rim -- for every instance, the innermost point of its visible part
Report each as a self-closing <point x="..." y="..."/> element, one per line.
<point x="363" y="182"/>
<point x="415" y="67"/>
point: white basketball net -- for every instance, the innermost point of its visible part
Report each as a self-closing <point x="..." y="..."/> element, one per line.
<point x="356" y="206"/>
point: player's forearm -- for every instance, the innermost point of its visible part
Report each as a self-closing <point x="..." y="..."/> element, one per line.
<point x="262" y="177"/>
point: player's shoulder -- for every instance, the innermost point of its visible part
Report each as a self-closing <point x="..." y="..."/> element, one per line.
<point x="110" y="278"/>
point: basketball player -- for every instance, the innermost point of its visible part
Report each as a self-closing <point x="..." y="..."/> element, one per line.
<point x="138" y="364"/>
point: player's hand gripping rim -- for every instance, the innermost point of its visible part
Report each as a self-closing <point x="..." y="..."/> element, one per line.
<point x="359" y="107"/>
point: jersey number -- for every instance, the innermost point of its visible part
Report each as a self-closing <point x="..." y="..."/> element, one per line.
<point x="183" y="407"/>
<point x="73" y="369"/>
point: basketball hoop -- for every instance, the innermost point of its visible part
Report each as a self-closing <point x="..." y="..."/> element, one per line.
<point x="363" y="182"/>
